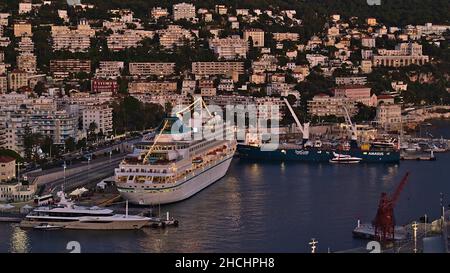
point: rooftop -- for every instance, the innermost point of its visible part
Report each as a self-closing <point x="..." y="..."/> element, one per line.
<point x="6" y="159"/>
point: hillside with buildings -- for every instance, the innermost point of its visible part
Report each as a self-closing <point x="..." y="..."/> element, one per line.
<point x="71" y="75"/>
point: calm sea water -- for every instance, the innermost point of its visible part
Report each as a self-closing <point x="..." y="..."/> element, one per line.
<point x="268" y="207"/>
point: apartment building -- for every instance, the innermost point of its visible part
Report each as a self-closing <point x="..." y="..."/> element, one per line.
<point x="279" y="88"/>
<point x="368" y="42"/>
<point x="399" y="86"/>
<point x="22" y="29"/>
<point x="25" y="45"/>
<point x="286" y="36"/>
<point x="226" y="85"/>
<point x="59" y="125"/>
<point x="389" y="117"/>
<point x="101" y="115"/>
<point x="233" y="69"/>
<point x="188" y="87"/>
<point x="73" y="40"/>
<point x="174" y="35"/>
<point x="152" y="87"/>
<point x="316" y="59"/>
<point x="163" y="99"/>
<point x="357" y="93"/>
<point x="266" y="63"/>
<point x="267" y="108"/>
<point x="257" y="36"/>
<point x="323" y="105"/>
<point x="351" y="80"/>
<point x="151" y="69"/>
<point x="159" y="12"/>
<point x="83" y="99"/>
<point x="366" y="66"/>
<point x="25" y="7"/>
<point x="27" y="62"/>
<point x="229" y="48"/>
<point x="128" y="38"/>
<point x="183" y="11"/>
<point x="4" y="21"/>
<point x="109" y="69"/>
<point x="66" y="67"/>
<point x="371" y="22"/>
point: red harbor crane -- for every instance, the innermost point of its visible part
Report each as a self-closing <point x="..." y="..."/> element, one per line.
<point x="384" y="222"/>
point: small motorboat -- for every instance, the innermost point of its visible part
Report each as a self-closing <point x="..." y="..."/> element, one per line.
<point x="45" y="226"/>
<point x="345" y="159"/>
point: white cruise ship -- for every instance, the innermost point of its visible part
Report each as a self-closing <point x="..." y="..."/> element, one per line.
<point x="167" y="168"/>
<point x="66" y="215"/>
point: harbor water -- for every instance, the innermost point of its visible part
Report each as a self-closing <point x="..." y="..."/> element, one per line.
<point x="268" y="207"/>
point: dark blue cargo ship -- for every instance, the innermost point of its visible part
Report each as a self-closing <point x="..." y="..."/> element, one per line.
<point x="288" y="154"/>
<point x="318" y="155"/>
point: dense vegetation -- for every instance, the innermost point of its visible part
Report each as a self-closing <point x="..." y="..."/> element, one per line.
<point x="129" y="114"/>
<point x="390" y="11"/>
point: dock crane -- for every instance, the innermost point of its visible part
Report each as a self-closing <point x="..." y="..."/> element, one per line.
<point x="353" y="129"/>
<point x="384" y="222"/>
<point x="304" y="129"/>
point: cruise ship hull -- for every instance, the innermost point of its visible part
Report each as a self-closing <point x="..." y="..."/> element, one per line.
<point x="181" y="190"/>
<point x="315" y="155"/>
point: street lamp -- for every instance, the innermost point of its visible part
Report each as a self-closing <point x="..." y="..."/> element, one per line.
<point x="64" y="170"/>
<point x="415" y="227"/>
<point x="313" y="244"/>
<point x="89" y="166"/>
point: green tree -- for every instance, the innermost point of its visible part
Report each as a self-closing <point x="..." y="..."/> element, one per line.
<point x="365" y="113"/>
<point x="70" y="144"/>
<point x="39" y="89"/>
<point x="28" y="142"/>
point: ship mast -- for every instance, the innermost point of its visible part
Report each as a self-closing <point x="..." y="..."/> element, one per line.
<point x="179" y="115"/>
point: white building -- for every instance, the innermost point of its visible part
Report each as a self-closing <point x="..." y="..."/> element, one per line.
<point x="324" y="105"/>
<point x="27" y="62"/>
<point x="101" y="116"/>
<point x="316" y="59"/>
<point x="174" y="35"/>
<point x="257" y="36"/>
<point x="151" y="69"/>
<point x="229" y="48"/>
<point x="128" y="38"/>
<point x="25" y="7"/>
<point x="389" y="117"/>
<point x="73" y="40"/>
<point x="159" y="12"/>
<point x="368" y="42"/>
<point x="109" y="69"/>
<point x="183" y="11"/>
